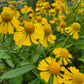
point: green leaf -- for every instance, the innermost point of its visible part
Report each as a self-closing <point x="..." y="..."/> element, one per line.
<point x="81" y="59"/>
<point x="16" y="80"/>
<point x="17" y="72"/>
<point x="34" y="81"/>
<point x="1" y="54"/>
<point x="34" y="59"/>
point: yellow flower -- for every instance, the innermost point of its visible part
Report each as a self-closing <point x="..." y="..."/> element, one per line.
<point x="55" y="20"/>
<point x="24" y="34"/>
<point x="20" y="2"/>
<point x="48" y="67"/>
<point x="6" y="18"/>
<point x="61" y="27"/>
<point x="58" y="9"/>
<point x="39" y="19"/>
<point x="64" y="55"/>
<point x="16" y="13"/>
<point x="47" y="35"/>
<point x="61" y="17"/>
<point x="74" y="29"/>
<point x="52" y="12"/>
<point x="74" y="76"/>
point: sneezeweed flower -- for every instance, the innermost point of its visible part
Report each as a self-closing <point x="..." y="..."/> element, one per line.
<point x="16" y="13"/>
<point x="73" y="76"/>
<point x="58" y="9"/>
<point x="61" y="17"/>
<point x="55" y="20"/>
<point x="52" y="12"/>
<point x="27" y="34"/>
<point x="20" y="2"/>
<point x="61" y="27"/>
<point x="7" y="18"/>
<point x="64" y="55"/>
<point x="74" y="29"/>
<point x="51" y="67"/>
<point x="47" y="35"/>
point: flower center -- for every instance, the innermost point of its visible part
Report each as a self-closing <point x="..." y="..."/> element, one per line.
<point x="54" y="68"/>
<point x="76" y="26"/>
<point x="78" y="78"/>
<point x="57" y="8"/>
<point x="55" y="19"/>
<point x="63" y="53"/>
<point x="47" y="30"/>
<point x="7" y="16"/>
<point x="29" y="27"/>
<point x="63" y="25"/>
<point x="39" y="19"/>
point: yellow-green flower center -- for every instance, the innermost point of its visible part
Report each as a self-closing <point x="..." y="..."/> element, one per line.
<point x="54" y="68"/>
<point x="29" y="27"/>
<point x="63" y="25"/>
<point x="76" y="26"/>
<point x="47" y="30"/>
<point x="78" y="78"/>
<point x="7" y="16"/>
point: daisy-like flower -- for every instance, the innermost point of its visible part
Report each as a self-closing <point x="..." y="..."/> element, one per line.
<point x="47" y="35"/>
<point x="51" y="67"/>
<point x="26" y="34"/>
<point x="64" y="55"/>
<point x="74" y="29"/>
<point x="61" y="27"/>
<point x="52" y="12"/>
<point x="55" y="20"/>
<point x="73" y="76"/>
<point x="7" y="18"/>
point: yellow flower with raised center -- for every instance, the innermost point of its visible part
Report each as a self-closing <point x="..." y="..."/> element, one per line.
<point x="74" y="29"/>
<point x="64" y="55"/>
<point x="47" y="35"/>
<point x="61" y="27"/>
<point x="74" y="76"/>
<point x="51" y="67"/>
<point x="6" y="18"/>
<point x="26" y="34"/>
<point x="39" y="19"/>
<point x="55" y="20"/>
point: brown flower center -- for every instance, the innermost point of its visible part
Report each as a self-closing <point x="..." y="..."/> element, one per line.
<point x="47" y="30"/>
<point x="54" y="68"/>
<point x="7" y="16"/>
<point x="29" y="27"/>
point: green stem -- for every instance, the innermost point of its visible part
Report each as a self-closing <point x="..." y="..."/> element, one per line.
<point x="65" y="40"/>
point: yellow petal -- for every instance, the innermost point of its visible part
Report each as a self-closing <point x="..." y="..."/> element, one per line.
<point x="27" y="41"/>
<point x="65" y="62"/>
<point x="10" y="28"/>
<point x="75" y="35"/>
<point x="33" y="39"/>
<point x="43" y="65"/>
<point x="5" y="28"/>
<point x="55" y="81"/>
<point x="45" y="76"/>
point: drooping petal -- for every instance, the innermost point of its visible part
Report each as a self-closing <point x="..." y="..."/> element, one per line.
<point x="45" y="76"/>
<point x="55" y="81"/>
<point x="43" y="65"/>
<point x="10" y="28"/>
